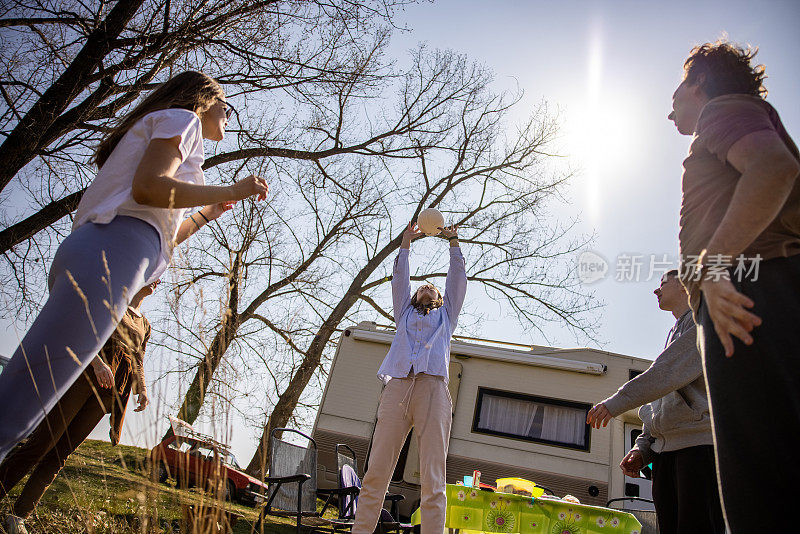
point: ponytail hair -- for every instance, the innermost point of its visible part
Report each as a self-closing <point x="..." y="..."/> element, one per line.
<point x="189" y="90"/>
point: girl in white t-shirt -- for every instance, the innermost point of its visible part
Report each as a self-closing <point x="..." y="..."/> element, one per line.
<point x="126" y="225"/>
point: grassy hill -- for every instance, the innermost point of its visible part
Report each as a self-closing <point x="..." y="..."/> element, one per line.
<point x="105" y="489"/>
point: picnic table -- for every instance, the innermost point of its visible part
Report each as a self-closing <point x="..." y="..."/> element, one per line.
<point x="473" y="511"/>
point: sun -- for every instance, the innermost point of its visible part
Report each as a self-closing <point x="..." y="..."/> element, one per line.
<point x="601" y="132"/>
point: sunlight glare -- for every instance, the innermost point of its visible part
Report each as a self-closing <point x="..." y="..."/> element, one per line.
<point x="600" y="130"/>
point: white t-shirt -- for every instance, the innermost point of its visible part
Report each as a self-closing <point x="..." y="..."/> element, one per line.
<point x="110" y="195"/>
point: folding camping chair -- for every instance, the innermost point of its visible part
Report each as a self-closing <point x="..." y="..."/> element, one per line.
<point x="293" y="490"/>
<point x="292" y="479"/>
<point x="350" y="487"/>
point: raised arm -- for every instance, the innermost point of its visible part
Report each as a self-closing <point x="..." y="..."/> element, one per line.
<point x="401" y="282"/>
<point x="455" y="288"/>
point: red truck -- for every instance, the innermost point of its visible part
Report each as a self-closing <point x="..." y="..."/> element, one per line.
<point x="197" y="460"/>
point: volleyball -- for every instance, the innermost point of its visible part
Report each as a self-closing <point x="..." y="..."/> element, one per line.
<point x="430" y="221"/>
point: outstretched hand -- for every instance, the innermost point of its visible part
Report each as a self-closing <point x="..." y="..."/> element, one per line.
<point x="251" y="186"/>
<point x="412" y="232"/>
<point x="598" y="416"/>
<point x="213" y="211"/>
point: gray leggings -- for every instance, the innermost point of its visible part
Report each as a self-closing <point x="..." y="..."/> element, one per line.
<point x="72" y="328"/>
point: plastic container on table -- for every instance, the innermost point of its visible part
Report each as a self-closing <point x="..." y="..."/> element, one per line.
<point x="519" y="486"/>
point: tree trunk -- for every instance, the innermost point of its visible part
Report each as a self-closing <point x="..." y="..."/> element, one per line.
<point x="25" y="140"/>
<point x="196" y="394"/>
<point x="287" y="402"/>
<point x="231" y="321"/>
<point x="27" y="228"/>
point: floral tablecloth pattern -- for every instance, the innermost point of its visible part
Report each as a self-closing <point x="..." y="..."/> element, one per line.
<point x="483" y="511"/>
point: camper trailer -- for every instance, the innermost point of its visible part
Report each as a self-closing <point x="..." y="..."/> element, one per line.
<point x="518" y="411"/>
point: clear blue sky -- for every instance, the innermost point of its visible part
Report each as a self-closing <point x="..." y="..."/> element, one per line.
<point x="611" y="67"/>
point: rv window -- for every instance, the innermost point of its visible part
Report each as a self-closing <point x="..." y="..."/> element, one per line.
<point x="531" y="418"/>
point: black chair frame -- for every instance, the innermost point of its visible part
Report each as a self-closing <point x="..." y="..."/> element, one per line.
<point x="548" y="491"/>
<point x="393" y="498"/>
<point x="619" y="499"/>
<point x="298" y="479"/>
<point x="328" y="494"/>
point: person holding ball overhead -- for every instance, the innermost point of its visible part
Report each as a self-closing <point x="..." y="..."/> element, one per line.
<point x="415" y="374"/>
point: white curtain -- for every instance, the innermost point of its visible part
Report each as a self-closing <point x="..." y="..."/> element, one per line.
<point x="564" y="425"/>
<point x="516" y="416"/>
<point x="510" y="416"/>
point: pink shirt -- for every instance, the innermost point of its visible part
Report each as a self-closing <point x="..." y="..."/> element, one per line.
<point x="709" y="181"/>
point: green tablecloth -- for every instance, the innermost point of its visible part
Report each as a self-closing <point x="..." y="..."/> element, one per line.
<point x="483" y="511"/>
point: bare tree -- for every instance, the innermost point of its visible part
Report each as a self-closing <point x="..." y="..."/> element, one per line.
<point x="68" y="69"/>
<point x="353" y="147"/>
<point x="319" y="254"/>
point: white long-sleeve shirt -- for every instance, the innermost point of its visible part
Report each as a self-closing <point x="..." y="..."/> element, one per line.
<point x="422" y="342"/>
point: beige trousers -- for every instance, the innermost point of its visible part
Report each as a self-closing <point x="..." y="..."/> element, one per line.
<point x="422" y="402"/>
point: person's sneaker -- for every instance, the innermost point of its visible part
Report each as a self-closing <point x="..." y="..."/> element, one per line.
<point x="15" y="525"/>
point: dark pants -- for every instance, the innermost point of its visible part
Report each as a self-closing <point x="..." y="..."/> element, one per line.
<point x="65" y="427"/>
<point x="685" y="491"/>
<point x="755" y="403"/>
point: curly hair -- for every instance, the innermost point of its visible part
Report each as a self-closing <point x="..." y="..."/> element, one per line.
<point x="423" y="309"/>
<point x="191" y="90"/>
<point x="725" y="69"/>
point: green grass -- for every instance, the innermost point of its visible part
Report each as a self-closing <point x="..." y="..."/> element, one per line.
<point x="105" y="489"/>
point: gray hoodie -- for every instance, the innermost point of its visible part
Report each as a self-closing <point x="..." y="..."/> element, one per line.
<point x="677" y="415"/>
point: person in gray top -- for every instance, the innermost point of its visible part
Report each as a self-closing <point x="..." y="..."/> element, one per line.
<point x="676" y="433"/>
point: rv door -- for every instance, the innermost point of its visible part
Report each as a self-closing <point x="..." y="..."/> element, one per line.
<point x="637" y="487"/>
<point x="411" y="471"/>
